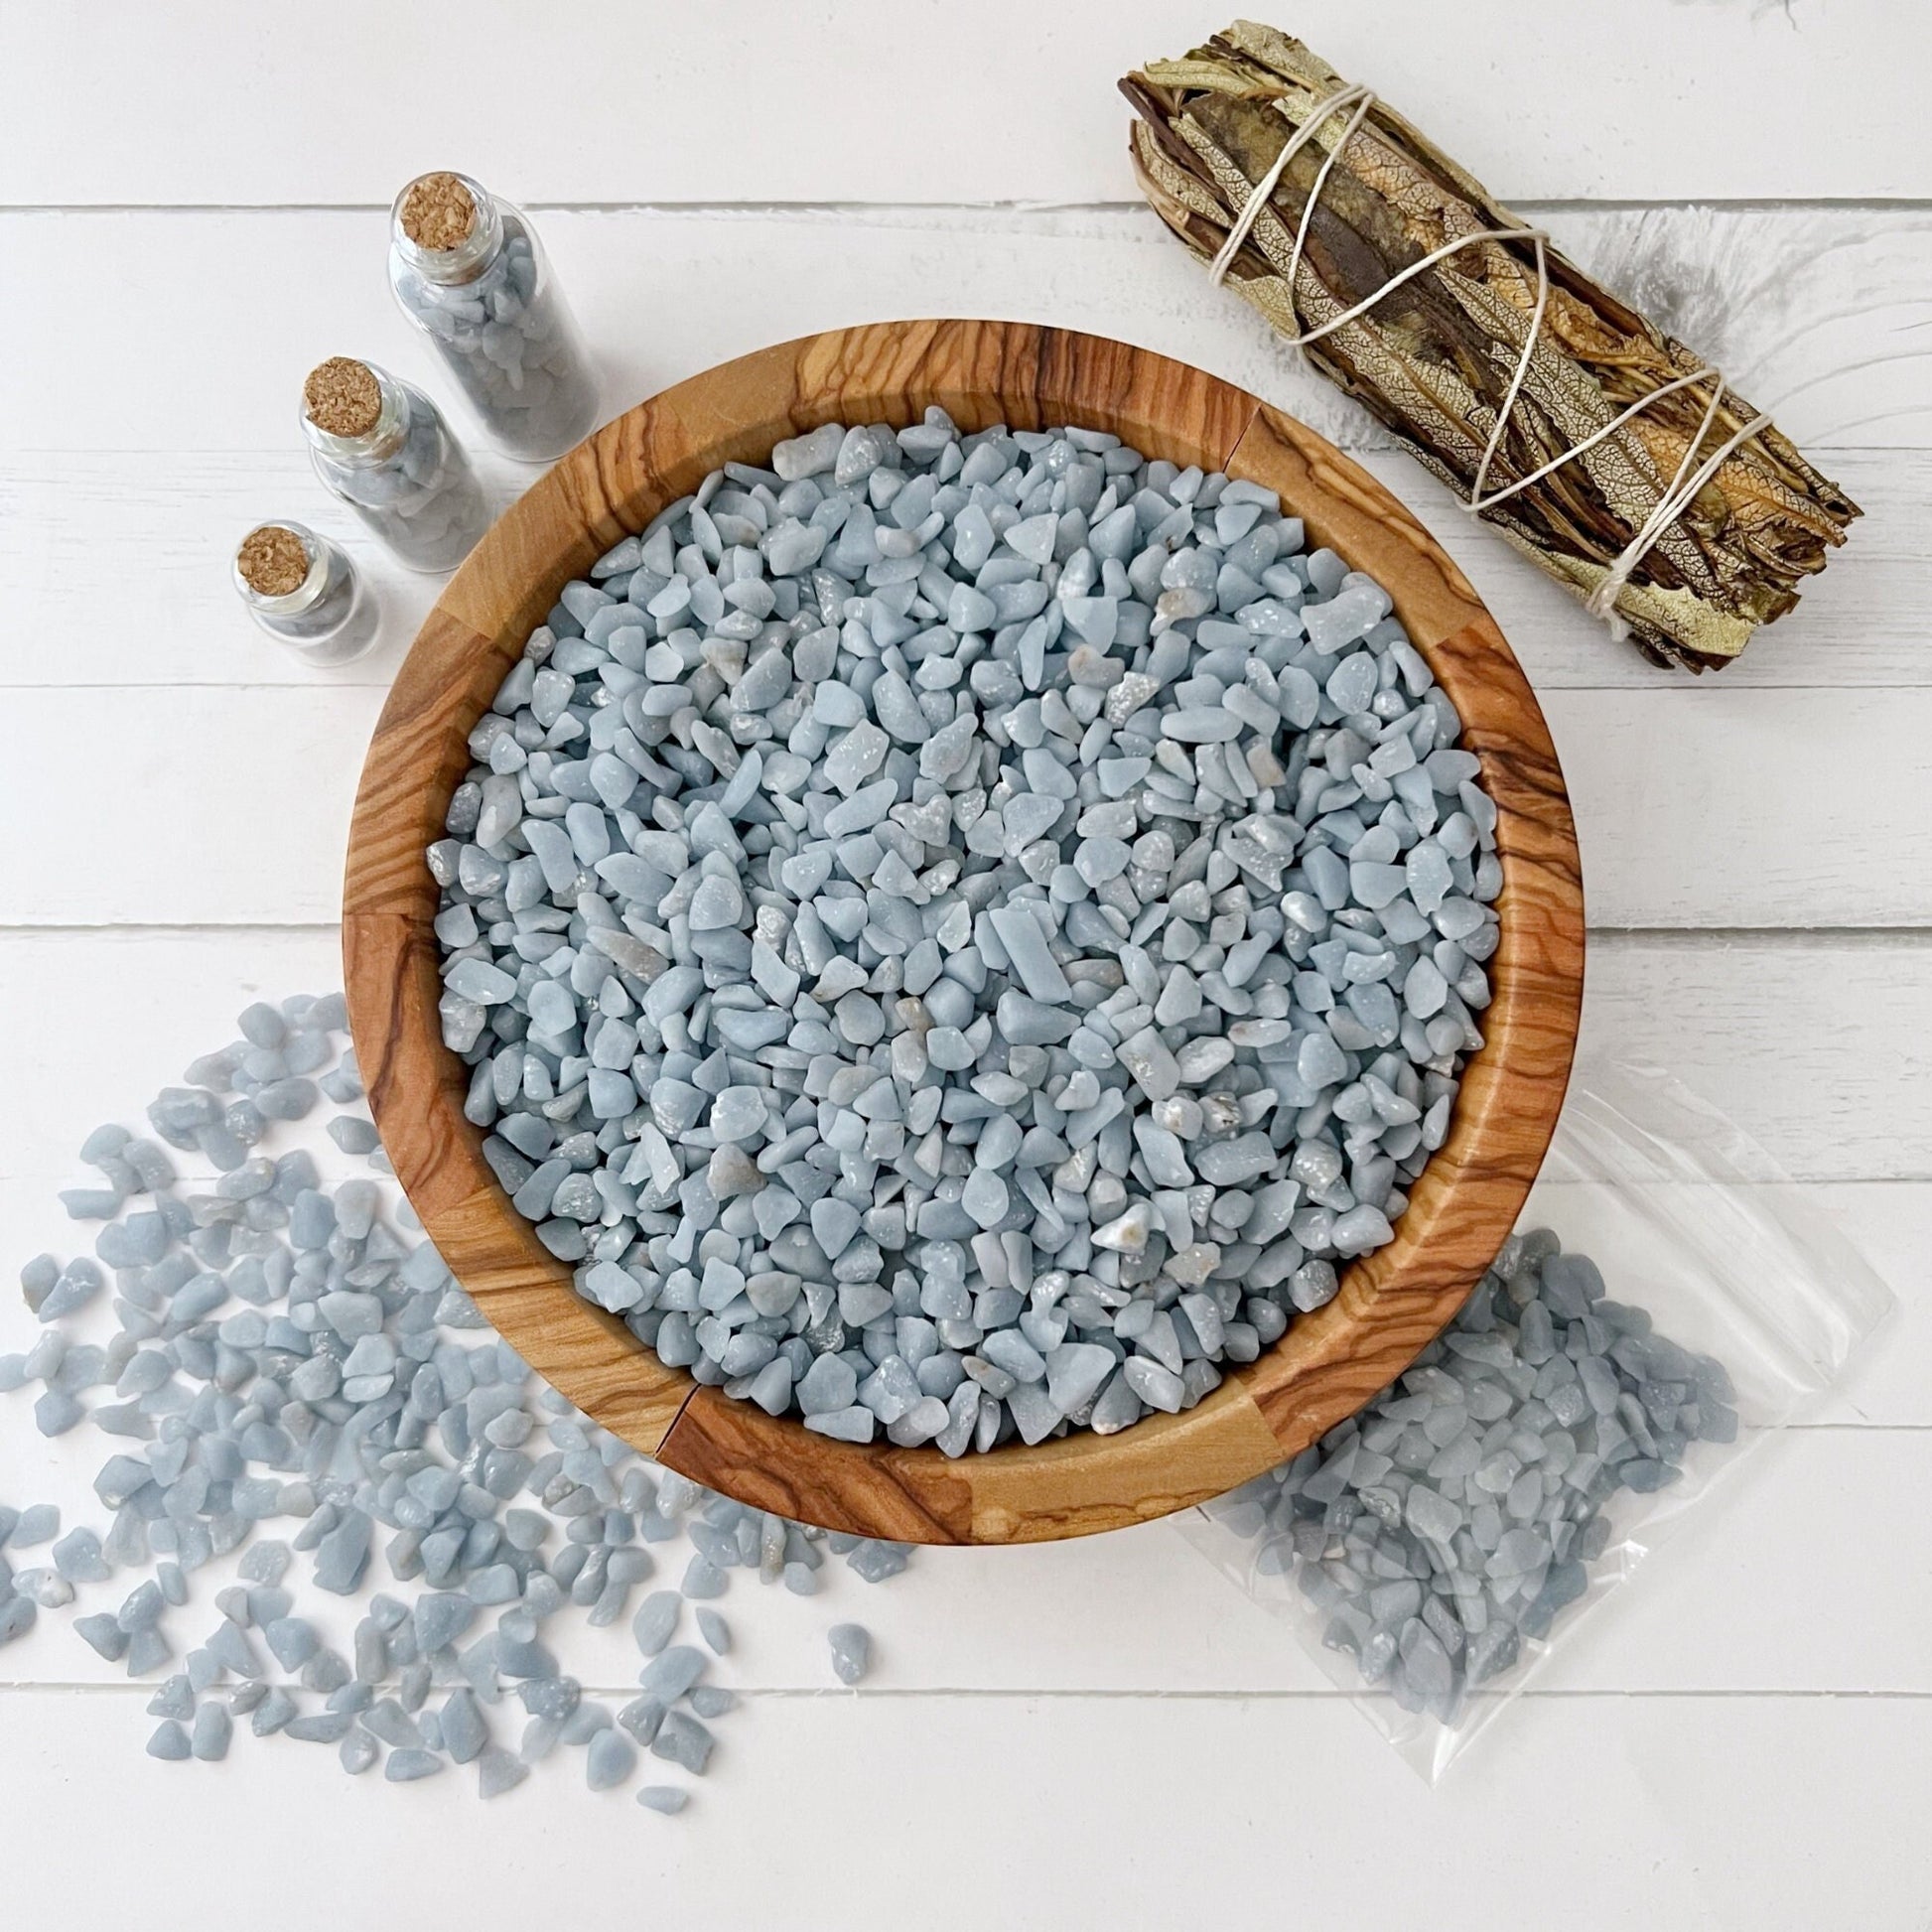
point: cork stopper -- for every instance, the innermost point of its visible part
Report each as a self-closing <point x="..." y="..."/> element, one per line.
<point x="273" y="561"/>
<point x="342" y="397"/>
<point x="438" y="213"/>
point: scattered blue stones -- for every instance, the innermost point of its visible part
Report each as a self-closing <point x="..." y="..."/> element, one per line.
<point x="671" y="1674"/>
<point x="354" y="1134"/>
<point x="142" y="1608"/>
<point x="939" y="892"/>
<point x="103" y="1635"/>
<point x="609" y="1759"/>
<point x="40" y="1523"/>
<point x="213" y="1731"/>
<point x="170" y="1741"/>
<point x="387" y="1431"/>
<point x="851" y="1645"/>
<point x="684" y="1741"/>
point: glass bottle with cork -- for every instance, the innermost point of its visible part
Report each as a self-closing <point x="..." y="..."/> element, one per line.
<point x="383" y="447"/>
<point x="305" y="594"/>
<point x="470" y="272"/>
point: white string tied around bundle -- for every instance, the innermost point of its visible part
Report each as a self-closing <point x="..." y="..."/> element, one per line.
<point x="1684" y="486"/>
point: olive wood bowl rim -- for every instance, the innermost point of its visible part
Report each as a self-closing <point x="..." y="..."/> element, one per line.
<point x="1390" y="1305"/>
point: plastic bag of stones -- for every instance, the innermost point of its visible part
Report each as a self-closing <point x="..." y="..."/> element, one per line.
<point x="1668" y="1302"/>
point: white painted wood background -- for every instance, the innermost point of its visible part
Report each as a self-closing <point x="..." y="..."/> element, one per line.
<point x="1100" y="1734"/>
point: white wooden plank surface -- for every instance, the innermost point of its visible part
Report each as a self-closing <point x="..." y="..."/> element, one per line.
<point x="1101" y="1733"/>
<point x="1688" y="808"/>
<point x="165" y="519"/>
<point x="1838" y="1608"/>
<point x="871" y="100"/>
<point x="148" y="468"/>
<point x="1701" y="1814"/>
<point x="1820" y="314"/>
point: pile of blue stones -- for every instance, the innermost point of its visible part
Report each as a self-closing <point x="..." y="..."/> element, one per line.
<point x="958" y="936"/>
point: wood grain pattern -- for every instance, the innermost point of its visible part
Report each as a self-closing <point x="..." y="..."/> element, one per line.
<point x="980" y="371"/>
<point x="1395" y="1301"/>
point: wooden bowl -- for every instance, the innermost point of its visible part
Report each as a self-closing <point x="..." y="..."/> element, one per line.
<point x="1391" y="1303"/>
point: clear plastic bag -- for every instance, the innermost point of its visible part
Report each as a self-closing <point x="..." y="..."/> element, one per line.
<point x="1730" y="1303"/>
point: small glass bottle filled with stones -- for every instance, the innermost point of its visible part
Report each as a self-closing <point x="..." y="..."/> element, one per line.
<point x="383" y="447"/>
<point x="304" y="593"/>
<point x="470" y="272"/>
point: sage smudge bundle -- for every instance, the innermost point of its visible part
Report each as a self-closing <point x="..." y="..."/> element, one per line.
<point x="1605" y="450"/>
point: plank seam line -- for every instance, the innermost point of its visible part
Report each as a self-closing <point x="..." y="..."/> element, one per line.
<point x="192" y="682"/>
<point x="511" y="470"/>
<point x="313" y="688"/>
<point x="755" y="208"/>
<point x="146" y="1687"/>
<point x="1683" y="939"/>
